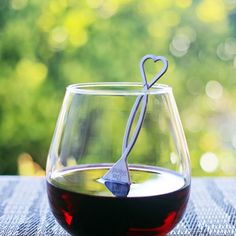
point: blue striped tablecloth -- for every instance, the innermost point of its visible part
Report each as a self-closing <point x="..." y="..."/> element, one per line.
<point x="24" y="208"/>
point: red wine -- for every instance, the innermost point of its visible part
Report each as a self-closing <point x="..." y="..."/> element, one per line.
<point x="84" y="206"/>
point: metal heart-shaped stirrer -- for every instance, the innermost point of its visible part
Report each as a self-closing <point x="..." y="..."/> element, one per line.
<point x="117" y="179"/>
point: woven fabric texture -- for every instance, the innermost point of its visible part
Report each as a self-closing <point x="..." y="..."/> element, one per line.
<point x="24" y="208"/>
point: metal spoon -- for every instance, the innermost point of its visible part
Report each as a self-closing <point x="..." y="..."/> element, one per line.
<point x="117" y="179"/>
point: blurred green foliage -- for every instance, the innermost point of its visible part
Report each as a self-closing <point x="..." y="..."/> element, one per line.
<point x="46" y="45"/>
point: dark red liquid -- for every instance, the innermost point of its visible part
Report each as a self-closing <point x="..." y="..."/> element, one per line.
<point x="84" y="207"/>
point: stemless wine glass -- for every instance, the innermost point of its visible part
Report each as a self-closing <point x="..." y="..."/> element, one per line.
<point x="88" y="141"/>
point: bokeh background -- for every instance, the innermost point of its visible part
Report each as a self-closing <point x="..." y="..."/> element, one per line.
<point x="46" y="45"/>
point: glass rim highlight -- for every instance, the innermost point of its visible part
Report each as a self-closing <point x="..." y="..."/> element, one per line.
<point x="116" y="88"/>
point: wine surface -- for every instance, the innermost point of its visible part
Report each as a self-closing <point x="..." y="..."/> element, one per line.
<point x="84" y="206"/>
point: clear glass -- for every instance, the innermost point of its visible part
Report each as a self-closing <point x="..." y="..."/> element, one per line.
<point x="88" y="141"/>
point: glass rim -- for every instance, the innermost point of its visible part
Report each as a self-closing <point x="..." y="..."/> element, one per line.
<point x="116" y="88"/>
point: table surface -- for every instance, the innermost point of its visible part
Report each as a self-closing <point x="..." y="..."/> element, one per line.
<point x="24" y="208"/>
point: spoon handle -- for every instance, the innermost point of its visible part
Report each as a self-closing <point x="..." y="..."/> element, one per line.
<point x="138" y="101"/>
